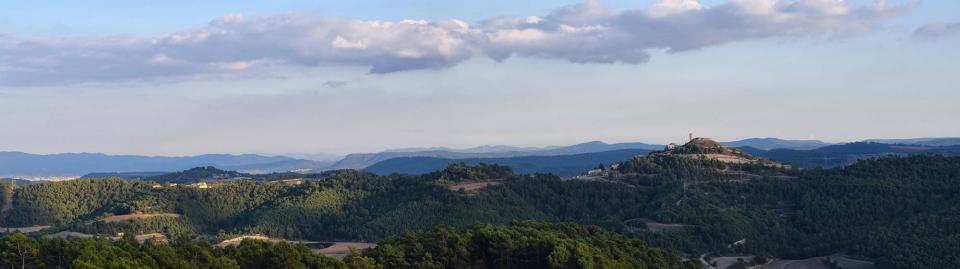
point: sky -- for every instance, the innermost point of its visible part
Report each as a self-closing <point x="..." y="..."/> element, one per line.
<point x="275" y="77"/>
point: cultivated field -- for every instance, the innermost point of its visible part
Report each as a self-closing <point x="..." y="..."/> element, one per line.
<point x="653" y="226"/>
<point x="31" y="229"/>
<point x="119" y="218"/>
<point x="473" y="187"/>
<point x="724" y="262"/>
<point x="335" y="249"/>
<point x="817" y="263"/>
<point x="140" y="238"/>
<point x="341" y="249"/>
<point x="236" y="240"/>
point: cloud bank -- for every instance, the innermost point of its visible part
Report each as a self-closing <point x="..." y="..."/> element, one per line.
<point x="588" y="32"/>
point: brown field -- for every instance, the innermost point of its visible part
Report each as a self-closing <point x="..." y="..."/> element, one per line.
<point x="654" y="226"/>
<point x="119" y="218"/>
<point x="724" y="262"/>
<point x="733" y="159"/>
<point x="473" y="187"/>
<point x="341" y="249"/>
<point x="155" y="236"/>
<point x="336" y="249"/>
<point x="719" y="157"/>
<point x="236" y="240"/>
<point x="25" y="230"/>
<point x="817" y="263"/>
<point x="68" y="234"/>
<point x="140" y="238"/>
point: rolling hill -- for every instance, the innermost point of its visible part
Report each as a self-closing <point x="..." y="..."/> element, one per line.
<point x="846" y="154"/>
<point x="563" y="165"/>
<point x="776" y="143"/>
<point x="932" y="142"/>
<point x="364" y="160"/>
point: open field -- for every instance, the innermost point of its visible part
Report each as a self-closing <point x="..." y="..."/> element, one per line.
<point x="236" y="240"/>
<point x="652" y="225"/>
<point x="68" y="234"/>
<point x="473" y="187"/>
<point x="31" y="229"/>
<point x="733" y="159"/>
<point x="335" y="249"/>
<point x="140" y="238"/>
<point x="341" y="249"/>
<point x="119" y="218"/>
<point x="817" y="263"/>
<point x="724" y="262"/>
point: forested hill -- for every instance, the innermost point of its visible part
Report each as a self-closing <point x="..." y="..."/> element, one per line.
<point x="366" y="160"/>
<point x="523" y="245"/>
<point x="564" y="165"/>
<point x="776" y="143"/>
<point x="199" y="174"/>
<point x="846" y="154"/>
<point x="520" y="245"/>
<point x="861" y="209"/>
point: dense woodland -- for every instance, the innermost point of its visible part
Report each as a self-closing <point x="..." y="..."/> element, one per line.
<point x="902" y="212"/>
<point x="520" y="245"/>
<point x="20" y="251"/>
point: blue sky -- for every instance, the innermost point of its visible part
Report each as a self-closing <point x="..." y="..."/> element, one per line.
<point x="180" y="78"/>
<point x="140" y="17"/>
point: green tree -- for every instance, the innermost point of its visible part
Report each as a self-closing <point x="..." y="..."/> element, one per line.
<point x="19" y="251"/>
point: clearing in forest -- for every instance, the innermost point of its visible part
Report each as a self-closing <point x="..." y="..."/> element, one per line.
<point x="474" y="187"/>
<point x="31" y="229"/>
<point x="652" y="225"/>
<point x="119" y="218"/>
<point x="341" y="249"/>
<point x="818" y="263"/>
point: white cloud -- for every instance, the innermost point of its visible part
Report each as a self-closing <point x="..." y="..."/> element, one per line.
<point x="588" y="32"/>
<point x="342" y="43"/>
<point x="673" y="7"/>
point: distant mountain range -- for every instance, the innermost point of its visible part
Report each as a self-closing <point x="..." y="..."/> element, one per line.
<point x="124" y="175"/>
<point x="933" y="142"/>
<point x="561" y="165"/>
<point x="73" y="164"/>
<point x="846" y="154"/>
<point x="776" y="143"/>
<point x="363" y="160"/>
<point x="16" y="181"/>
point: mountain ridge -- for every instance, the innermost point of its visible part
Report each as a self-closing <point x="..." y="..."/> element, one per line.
<point x="15" y="163"/>
<point x="769" y="143"/>
<point x="73" y="164"/>
<point x="561" y="165"/>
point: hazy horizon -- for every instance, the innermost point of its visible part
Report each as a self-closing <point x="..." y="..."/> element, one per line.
<point x="337" y="155"/>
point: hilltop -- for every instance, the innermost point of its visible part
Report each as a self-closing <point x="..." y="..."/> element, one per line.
<point x="706" y="148"/>
<point x="697" y="161"/>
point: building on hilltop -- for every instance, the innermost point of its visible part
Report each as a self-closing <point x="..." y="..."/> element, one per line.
<point x="671" y="146"/>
